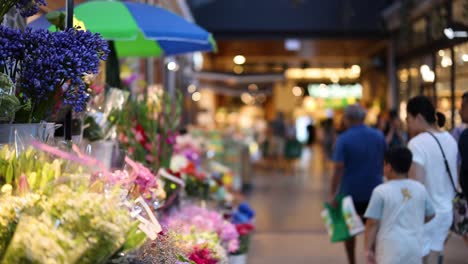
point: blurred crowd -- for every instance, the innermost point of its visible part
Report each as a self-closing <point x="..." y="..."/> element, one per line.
<point x="407" y="178"/>
<point x="407" y="181"/>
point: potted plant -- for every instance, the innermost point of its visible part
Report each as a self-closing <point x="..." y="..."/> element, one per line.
<point x="245" y="232"/>
<point x="243" y="218"/>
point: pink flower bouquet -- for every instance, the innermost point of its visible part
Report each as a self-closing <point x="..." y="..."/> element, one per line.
<point x="196" y="219"/>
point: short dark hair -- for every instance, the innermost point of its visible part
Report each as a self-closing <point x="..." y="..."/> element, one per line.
<point x="423" y="106"/>
<point x="400" y="158"/>
<point x="393" y="114"/>
<point x="465" y="96"/>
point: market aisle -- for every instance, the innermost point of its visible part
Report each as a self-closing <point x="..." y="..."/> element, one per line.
<point x="289" y="227"/>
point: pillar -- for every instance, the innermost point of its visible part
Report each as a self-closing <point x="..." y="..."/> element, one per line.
<point x="392" y="91"/>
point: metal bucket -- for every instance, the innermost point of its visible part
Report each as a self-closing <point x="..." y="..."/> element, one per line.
<point x="26" y="133"/>
<point x="238" y="259"/>
<point x="111" y="155"/>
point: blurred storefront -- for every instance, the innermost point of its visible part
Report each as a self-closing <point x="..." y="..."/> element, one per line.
<point x="311" y="80"/>
<point x="431" y="52"/>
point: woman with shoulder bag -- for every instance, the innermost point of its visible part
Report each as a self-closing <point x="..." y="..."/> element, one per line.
<point x="435" y="165"/>
<point x="461" y="207"/>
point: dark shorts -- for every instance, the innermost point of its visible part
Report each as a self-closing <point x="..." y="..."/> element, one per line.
<point x="361" y="208"/>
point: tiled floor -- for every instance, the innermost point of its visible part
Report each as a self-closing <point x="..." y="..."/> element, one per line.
<point x="289" y="227"/>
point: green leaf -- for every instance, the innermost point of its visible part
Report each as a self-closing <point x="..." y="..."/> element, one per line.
<point x="93" y="131"/>
<point x="184" y="259"/>
<point x="45" y="176"/>
<point x="135" y="238"/>
<point x="9" y="105"/>
<point x="6" y="84"/>
<point x="57" y="18"/>
<point x="9" y="174"/>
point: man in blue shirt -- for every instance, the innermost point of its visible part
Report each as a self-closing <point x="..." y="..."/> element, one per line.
<point x="358" y="164"/>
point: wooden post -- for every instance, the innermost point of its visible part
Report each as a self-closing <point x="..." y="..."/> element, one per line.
<point x="452" y="87"/>
<point x="69" y="24"/>
<point x="392" y="92"/>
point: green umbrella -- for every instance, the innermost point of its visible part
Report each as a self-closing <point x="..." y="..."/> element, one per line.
<point x="138" y="29"/>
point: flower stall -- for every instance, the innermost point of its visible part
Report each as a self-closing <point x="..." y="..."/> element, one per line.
<point x="44" y="73"/>
<point x="134" y="190"/>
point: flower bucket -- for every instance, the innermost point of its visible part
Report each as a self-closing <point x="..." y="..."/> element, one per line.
<point x="238" y="259"/>
<point x="26" y="133"/>
<point x="108" y="152"/>
<point x="102" y="151"/>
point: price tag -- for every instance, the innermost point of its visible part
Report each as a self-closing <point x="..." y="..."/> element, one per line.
<point x="163" y="173"/>
<point x="151" y="226"/>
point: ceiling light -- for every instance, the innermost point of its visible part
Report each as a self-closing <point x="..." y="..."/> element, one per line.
<point x="292" y="44"/>
<point x="448" y="32"/>
<point x="297" y="91"/>
<point x="356" y="69"/>
<point x="196" y="96"/>
<point x="192" y="88"/>
<point x="446" y="62"/>
<point x="464" y="57"/>
<point x="428" y="76"/>
<point x="451" y="34"/>
<point x="172" y="66"/>
<point x="239" y="59"/>
<point x="441" y="53"/>
<point x="424" y="68"/>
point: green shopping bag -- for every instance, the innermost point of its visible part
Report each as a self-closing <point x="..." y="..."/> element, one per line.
<point x="335" y="222"/>
<point x="342" y="222"/>
<point x="293" y="149"/>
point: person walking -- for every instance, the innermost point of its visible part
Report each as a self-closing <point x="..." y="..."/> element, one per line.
<point x="463" y="149"/>
<point x="382" y="123"/>
<point x="278" y="139"/>
<point x="395" y="135"/>
<point x="311" y="134"/>
<point x="429" y="145"/>
<point x="328" y="131"/>
<point x="463" y="146"/>
<point x="396" y="214"/>
<point x="278" y="131"/>
<point x="358" y="165"/>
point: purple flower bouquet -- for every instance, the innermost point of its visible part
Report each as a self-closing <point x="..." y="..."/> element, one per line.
<point x="49" y="68"/>
<point x="26" y="8"/>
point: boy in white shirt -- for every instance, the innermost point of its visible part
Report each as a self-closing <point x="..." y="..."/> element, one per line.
<point x="396" y="214"/>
